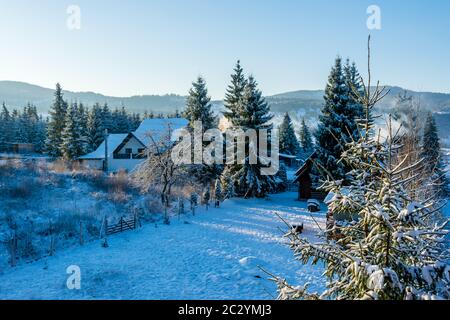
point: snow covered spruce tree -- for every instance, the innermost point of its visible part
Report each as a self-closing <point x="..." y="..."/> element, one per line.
<point x="198" y="109"/>
<point x="234" y="94"/>
<point x="338" y="120"/>
<point x="354" y="86"/>
<point x="198" y="106"/>
<point x="431" y="153"/>
<point x="288" y="140"/>
<point x="56" y="125"/>
<point x="306" y="143"/>
<point x="391" y="247"/>
<point x="72" y="145"/>
<point x="6" y="127"/>
<point x="250" y="112"/>
<point x="95" y="128"/>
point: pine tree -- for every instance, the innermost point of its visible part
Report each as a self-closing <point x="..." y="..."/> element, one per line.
<point x="121" y="121"/>
<point x="391" y="248"/>
<point x="254" y="113"/>
<point x="72" y="140"/>
<point x="354" y="90"/>
<point x="234" y="94"/>
<point x="218" y="191"/>
<point x="337" y="123"/>
<point x="288" y="140"/>
<point x="6" y="127"/>
<point x="56" y="124"/>
<point x="107" y="118"/>
<point x="95" y="129"/>
<point x="431" y="153"/>
<point x="227" y="184"/>
<point x="198" y="106"/>
<point x="306" y="142"/>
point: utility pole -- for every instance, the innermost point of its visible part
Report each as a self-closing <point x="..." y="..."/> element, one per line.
<point x="105" y="164"/>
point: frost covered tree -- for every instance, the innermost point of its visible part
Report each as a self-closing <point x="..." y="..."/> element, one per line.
<point x="95" y="128"/>
<point x="72" y="145"/>
<point x="354" y="90"/>
<point x="306" y="142"/>
<point x="227" y="184"/>
<point x="254" y="113"/>
<point x="198" y="106"/>
<point x="288" y="140"/>
<point x="234" y="94"/>
<point x="6" y="127"/>
<point x="431" y="153"/>
<point x="198" y="109"/>
<point x="217" y="193"/>
<point x="158" y="172"/>
<point x="56" y="125"/>
<point x="407" y="113"/>
<point x="392" y="247"/>
<point x="337" y="122"/>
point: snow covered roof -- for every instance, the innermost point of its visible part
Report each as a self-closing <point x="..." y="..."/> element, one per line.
<point x="157" y="127"/>
<point x="288" y="156"/>
<point x="114" y="140"/>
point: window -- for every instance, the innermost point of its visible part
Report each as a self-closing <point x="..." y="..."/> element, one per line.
<point x="128" y="151"/>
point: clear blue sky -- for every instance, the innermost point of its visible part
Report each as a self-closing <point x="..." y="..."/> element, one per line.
<point x="159" y="46"/>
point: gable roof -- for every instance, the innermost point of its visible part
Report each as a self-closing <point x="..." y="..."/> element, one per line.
<point x="305" y="166"/>
<point x="125" y="141"/>
<point x="114" y="140"/>
<point x="157" y="127"/>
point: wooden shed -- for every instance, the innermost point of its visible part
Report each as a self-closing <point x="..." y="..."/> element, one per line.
<point x="303" y="177"/>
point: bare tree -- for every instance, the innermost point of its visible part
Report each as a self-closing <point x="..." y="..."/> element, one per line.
<point x="159" y="173"/>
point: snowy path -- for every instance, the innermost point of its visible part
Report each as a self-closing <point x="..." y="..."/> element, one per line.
<point x="209" y="258"/>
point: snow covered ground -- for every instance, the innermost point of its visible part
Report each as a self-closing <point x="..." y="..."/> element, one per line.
<point x="214" y="255"/>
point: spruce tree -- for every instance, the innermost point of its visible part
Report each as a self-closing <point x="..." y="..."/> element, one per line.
<point x="95" y="129"/>
<point x="337" y="123"/>
<point x="56" y="124"/>
<point x="389" y="247"/>
<point x="354" y="90"/>
<point x="234" y="94"/>
<point x="107" y="118"/>
<point x="6" y="127"/>
<point x="72" y="139"/>
<point x="431" y="153"/>
<point x="306" y="142"/>
<point x="254" y="113"/>
<point x="198" y="106"/>
<point x="288" y="140"/>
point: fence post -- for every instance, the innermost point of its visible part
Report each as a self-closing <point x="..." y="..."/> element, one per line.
<point x="81" y="233"/>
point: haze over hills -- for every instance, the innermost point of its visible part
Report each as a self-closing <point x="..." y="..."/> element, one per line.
<point x="18" y="94"/>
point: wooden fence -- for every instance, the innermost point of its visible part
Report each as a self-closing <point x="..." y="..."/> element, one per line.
<point x="123" y="225"/>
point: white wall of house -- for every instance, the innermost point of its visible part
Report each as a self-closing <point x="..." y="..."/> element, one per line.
<point x="95" y="164"/>
<point x="129" y="165"/>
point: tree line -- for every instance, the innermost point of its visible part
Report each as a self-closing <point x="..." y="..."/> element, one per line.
<point x="70" y="130"/>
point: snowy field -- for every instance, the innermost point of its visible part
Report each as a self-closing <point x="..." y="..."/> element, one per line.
<point x="214" y="255"/>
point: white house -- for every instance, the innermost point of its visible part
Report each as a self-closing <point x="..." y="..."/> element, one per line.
<point x="126" y="151"/>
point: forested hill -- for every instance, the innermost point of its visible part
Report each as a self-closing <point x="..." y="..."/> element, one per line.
<point x="307" y="102"/>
